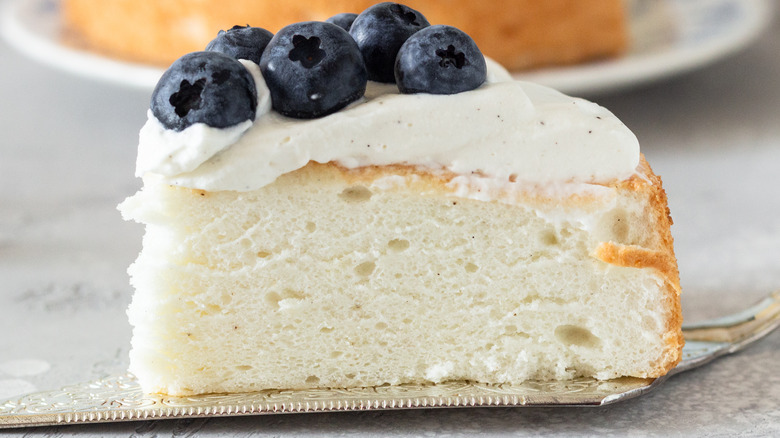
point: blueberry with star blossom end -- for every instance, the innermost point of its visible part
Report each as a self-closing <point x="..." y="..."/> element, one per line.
<point x="440" y="60"/>
<point x="241" y="42"/>
<point x="380" y="31"/>
<point x="313" y="69"/>
<point x="204" y="87"/>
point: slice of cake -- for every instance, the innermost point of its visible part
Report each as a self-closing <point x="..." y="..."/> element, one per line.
<point x="373" y="236"/>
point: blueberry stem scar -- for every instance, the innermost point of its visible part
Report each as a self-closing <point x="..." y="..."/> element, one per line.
<point x="188" y="96"/>
<point x="307" y="51"/>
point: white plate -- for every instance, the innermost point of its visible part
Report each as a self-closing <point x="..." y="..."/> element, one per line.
<point x="34" y="27"/>
<point x="670" y="37"/>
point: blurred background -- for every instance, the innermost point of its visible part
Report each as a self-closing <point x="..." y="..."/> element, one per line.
<point x="698" y="82"/>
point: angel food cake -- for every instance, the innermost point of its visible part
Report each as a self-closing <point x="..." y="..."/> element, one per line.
<point x="521" y="34"/>
<point x="309" y="227"/>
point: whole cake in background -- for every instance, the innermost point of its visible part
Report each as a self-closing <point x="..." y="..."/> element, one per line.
<point x="520" y="34"/>
<point x="384" y="205"/>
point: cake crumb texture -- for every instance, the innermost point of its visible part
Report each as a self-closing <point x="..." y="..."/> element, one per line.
<point x="333" y="278"/>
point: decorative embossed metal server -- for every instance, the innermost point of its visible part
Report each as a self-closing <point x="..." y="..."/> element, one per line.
<point x="120" y="398"/>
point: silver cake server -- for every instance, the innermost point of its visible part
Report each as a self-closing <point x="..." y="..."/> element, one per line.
<point x="119" y="398"/>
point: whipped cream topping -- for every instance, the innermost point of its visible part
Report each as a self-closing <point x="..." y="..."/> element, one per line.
<point x="505" y="130"/>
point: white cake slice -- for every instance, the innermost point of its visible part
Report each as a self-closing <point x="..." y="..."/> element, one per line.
<point x="499" y="235"/>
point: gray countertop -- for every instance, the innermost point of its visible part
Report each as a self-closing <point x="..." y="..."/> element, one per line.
<point x="67" y="156"/>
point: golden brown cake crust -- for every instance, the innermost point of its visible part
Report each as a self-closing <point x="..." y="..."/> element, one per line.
<point x="520" y="34"/>
<point x="662" y="259"/>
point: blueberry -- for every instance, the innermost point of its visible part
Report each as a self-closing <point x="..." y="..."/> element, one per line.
<point x="343" y="21"/>
<point x="440" y="60"/>
<point x="380" y="31"/>
<point x="241" y="42"/>
<point x="313" y="69"/>
<point x="204" y="87"/>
